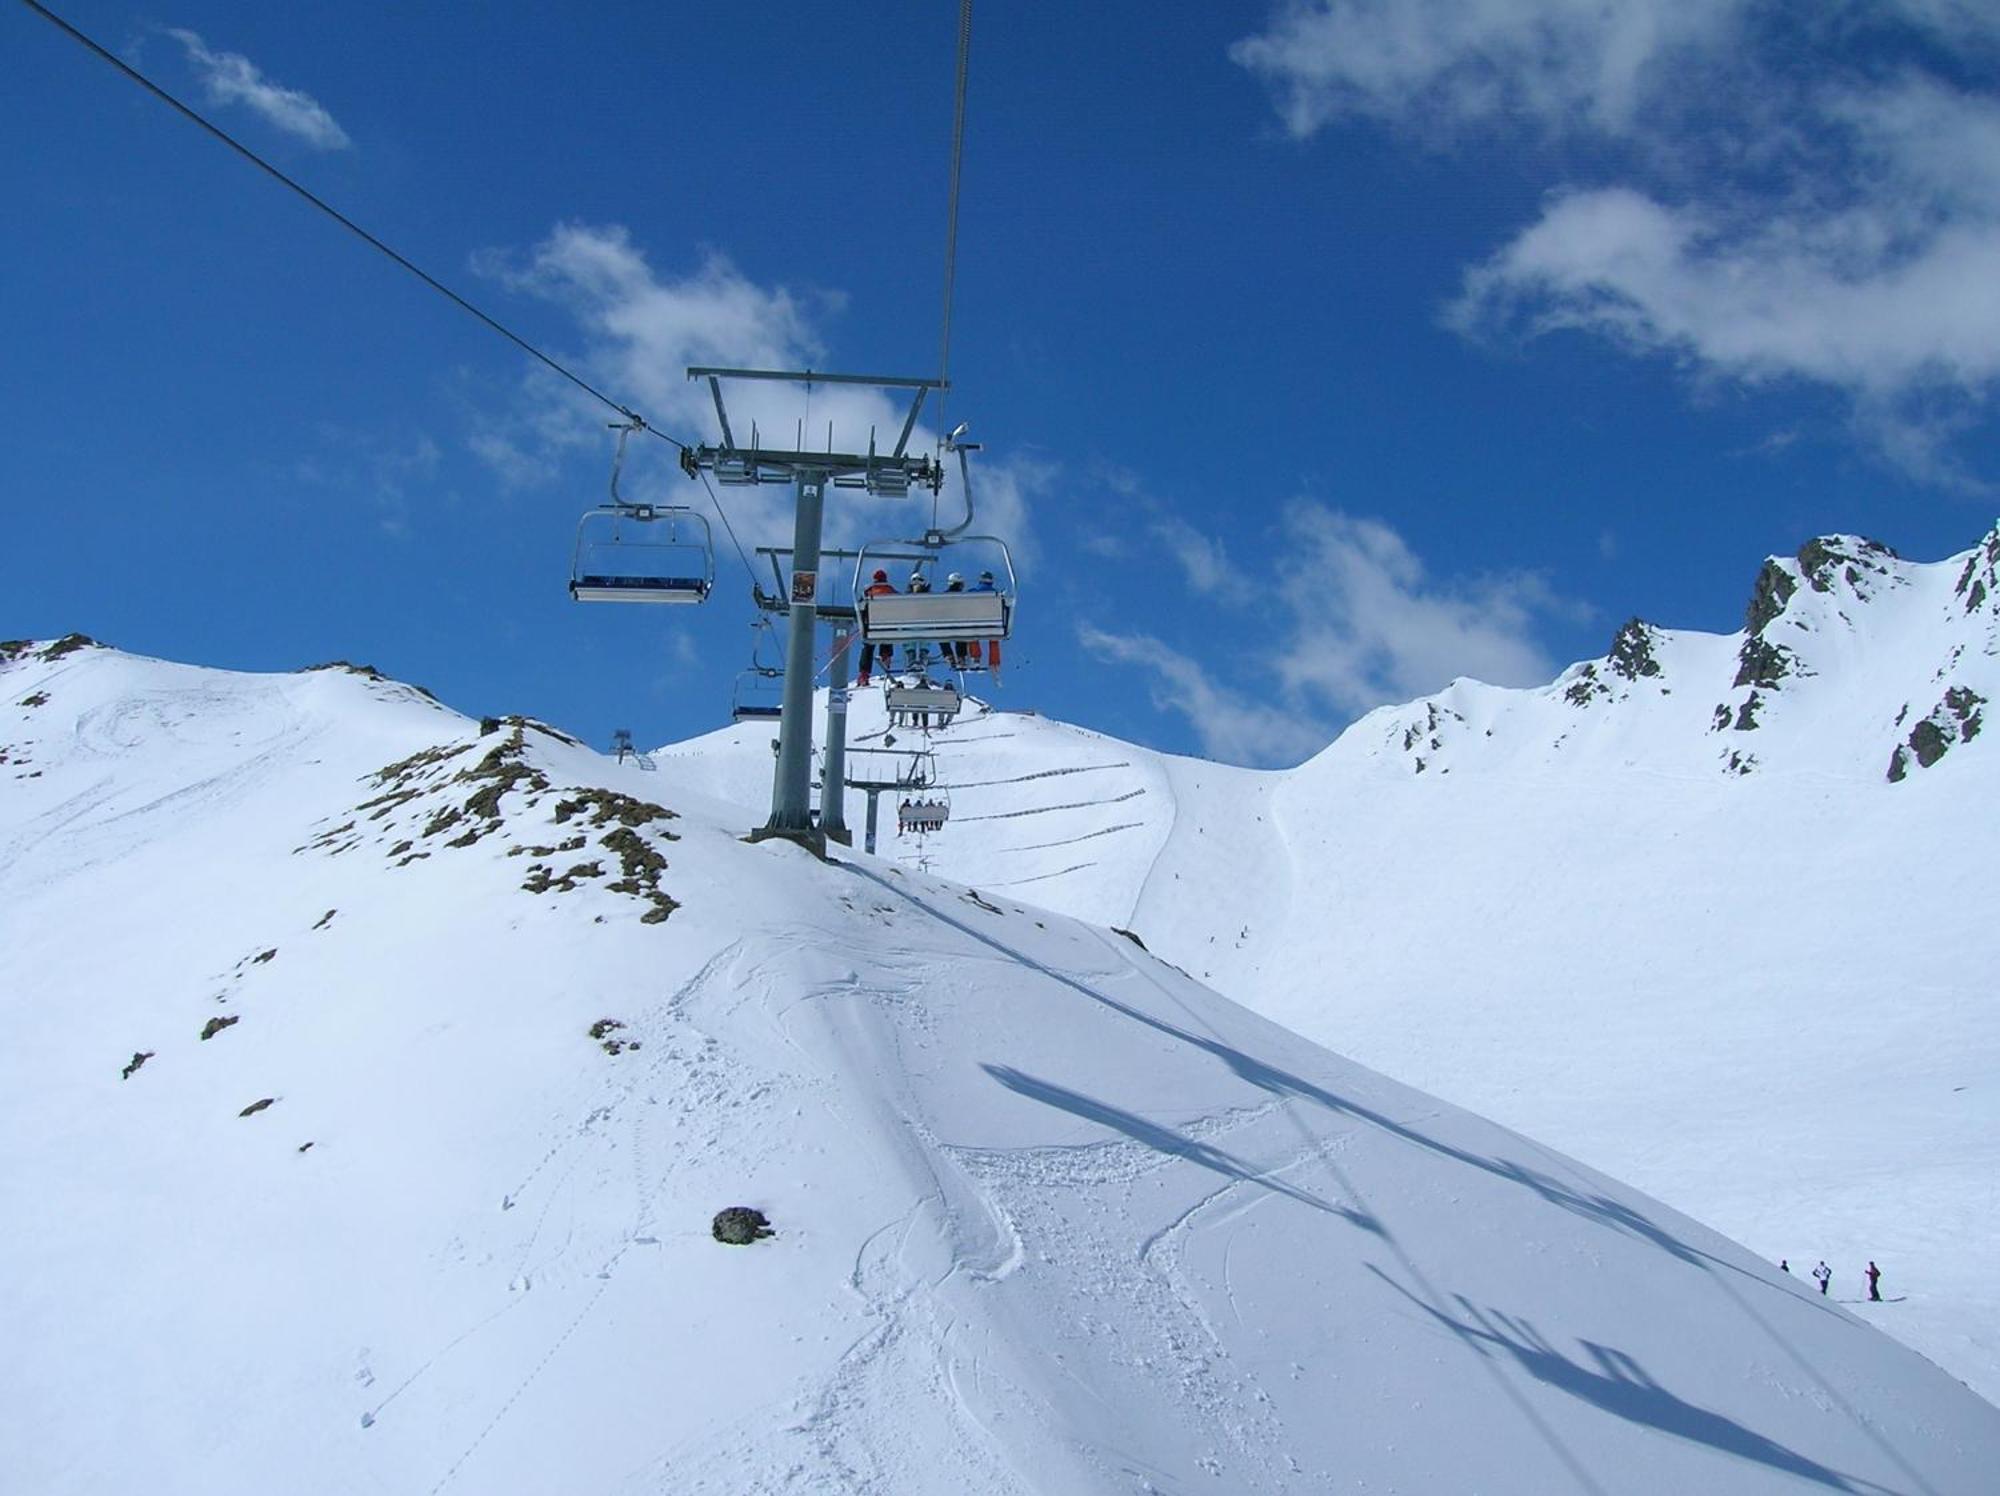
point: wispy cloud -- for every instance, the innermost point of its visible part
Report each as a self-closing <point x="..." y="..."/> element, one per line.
<point x="1776" y="200"/>
<point x="1554" y="62"/>
<point x="232" y="78"/>
<point x="1203" y="560"/>
<point x="1369" y="624"/>
<point x="1349" y="618"/>
<point x="643" y="328"/>
<point x="1231" y="724"/>
<point x="391" y="475"/>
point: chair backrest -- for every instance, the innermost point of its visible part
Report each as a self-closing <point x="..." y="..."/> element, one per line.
<point x="935" y="616"/>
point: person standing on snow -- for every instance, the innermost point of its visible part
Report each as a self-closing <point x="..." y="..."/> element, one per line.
<point x="1784" y="1265"/>
<point x="1874" y="1283"/>
<point x="1822" y="1275"/>
<point x="881" y="586"/>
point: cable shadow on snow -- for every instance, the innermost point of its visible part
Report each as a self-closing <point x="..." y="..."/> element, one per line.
<point x="1598" y="1208"/>
<point x="1615" y="1383"/>
<point x="1165" y="1140"/>
<point x="1279" y="1082"/>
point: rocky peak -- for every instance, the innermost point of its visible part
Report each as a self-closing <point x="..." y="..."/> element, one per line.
<point x="1979" y="583"/>
<point x="1632" y="650"/>
<point x="1850" y="558"/>
<point x="1773" y="589"/>
<point x="1955" y="719"/>
<point x="12" y="650"/>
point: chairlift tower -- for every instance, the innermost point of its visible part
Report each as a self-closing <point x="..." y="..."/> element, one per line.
<point x="889" y="474"/>
<point x="919" y="778"/>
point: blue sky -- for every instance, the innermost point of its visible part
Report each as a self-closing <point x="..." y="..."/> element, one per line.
<point x="1321" y="352"/>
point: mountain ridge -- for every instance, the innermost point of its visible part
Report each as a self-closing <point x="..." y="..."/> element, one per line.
<point x="433" y="1211"/>
<point x="1627" y="893"/>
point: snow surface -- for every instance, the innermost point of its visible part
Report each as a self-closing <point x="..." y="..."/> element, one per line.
<point x="1735" y="966"/>
<point x="1051" y="1216"/>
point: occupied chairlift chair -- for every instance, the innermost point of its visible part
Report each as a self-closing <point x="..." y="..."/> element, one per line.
<point x="924" y="804"/>
<point x="641" y="553"/>
<point x="938" y="615"/>
<point x="923" y="815"/>
<point x="932" y="701"/>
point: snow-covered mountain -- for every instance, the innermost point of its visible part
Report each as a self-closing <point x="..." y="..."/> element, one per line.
<point x="373" y="1076"/>
<point x="1708" y="912"/>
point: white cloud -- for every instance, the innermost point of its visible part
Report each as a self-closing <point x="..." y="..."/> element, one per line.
<point x="1557" y="62"/>
<point x="1352" y="620"/>
<point x="1902" y="317"/>
<point x="1367" y="623"/>
<point x="1795" y="206"/>
<point x="644" y="329"/>
<point x="1203" y="559"/>
<point x="232" y="78"/>
<point x="1231" y="725"/>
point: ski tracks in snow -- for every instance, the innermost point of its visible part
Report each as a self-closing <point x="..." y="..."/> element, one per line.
<point x="1177" y="1347"/>
<point x="94" y="828"/>
<point x="681" y="1062"/>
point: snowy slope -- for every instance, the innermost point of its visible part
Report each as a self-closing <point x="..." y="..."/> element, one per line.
<point x="1050" y="1215"/>
<point x="1670" y="912"/>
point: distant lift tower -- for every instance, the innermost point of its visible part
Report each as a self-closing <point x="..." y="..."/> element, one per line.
<point x="885" y="474"/>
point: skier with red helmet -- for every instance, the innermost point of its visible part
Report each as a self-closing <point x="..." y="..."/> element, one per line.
<point x="881" y="586"/>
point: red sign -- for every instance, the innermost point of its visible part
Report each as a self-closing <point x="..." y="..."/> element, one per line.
<point x="805" y="586"/>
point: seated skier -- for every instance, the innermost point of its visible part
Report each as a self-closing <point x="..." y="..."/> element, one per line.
<point x="881" y="586"/>
<point x="986" y="583"/>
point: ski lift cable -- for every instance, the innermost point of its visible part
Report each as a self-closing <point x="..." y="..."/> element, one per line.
<point x="336" y="215"/>
<point x="951" y="226"/>
<point x="723" y="515"/>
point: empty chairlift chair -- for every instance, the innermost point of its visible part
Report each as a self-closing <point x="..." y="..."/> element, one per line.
<point x="759" y="696"/>
<point x="760" y="690"/>
<point x="642" y="553"/>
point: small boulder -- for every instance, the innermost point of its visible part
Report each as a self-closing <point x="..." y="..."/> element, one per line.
<point x="739" y="1225"/>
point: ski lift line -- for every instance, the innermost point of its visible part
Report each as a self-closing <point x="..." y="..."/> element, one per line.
<point x="951" y="237"/>
<point x="951" y="217"/>
<point x="723" y="515"/>
<point x="336" y="215"/>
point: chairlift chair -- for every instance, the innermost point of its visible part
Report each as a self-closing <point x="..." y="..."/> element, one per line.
<point x="758" y="697"/>
<point x="936" y="616"/>
<point x="621" y="557"/>
<point x="926" y="804"/>
<point x="760" y="690"/>
<point x="928" y="699"/>
<point x="641" y="553"/>
<point x="922" y="815"/>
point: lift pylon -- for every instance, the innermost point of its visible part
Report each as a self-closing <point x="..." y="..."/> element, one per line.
<point x="889" y="474"/>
